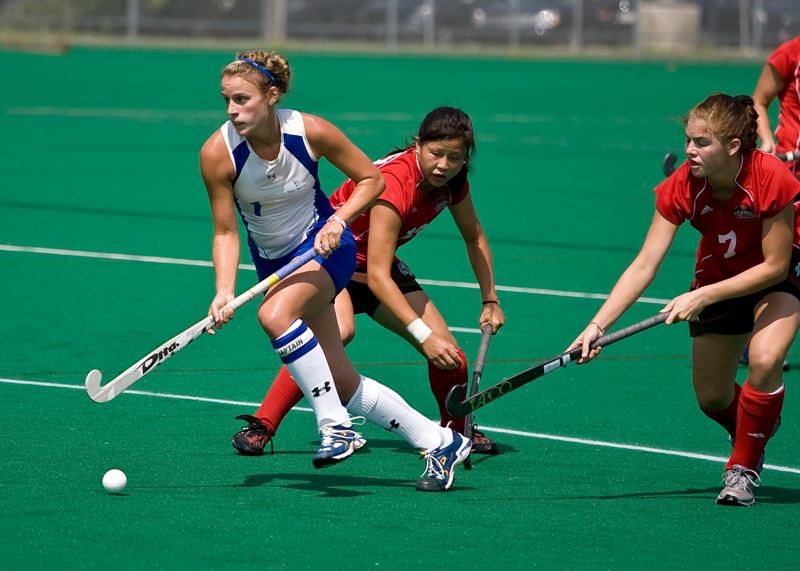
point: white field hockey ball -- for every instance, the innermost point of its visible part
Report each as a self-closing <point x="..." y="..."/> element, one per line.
<point x="115" y="481"/>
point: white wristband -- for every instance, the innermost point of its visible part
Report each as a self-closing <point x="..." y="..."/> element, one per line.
<point x="419" y="330"/>
<point x="339" y="219"/>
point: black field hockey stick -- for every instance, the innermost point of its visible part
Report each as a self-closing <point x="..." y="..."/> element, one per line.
<point x="156" y="357"/>
<point x="668" y="166"/>
<point x="477" y="371"/>
<point x="458" y="408"/>
<point x="671" y="160"/>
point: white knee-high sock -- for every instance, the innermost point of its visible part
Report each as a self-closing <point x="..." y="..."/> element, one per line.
<point x="382" y="406"/>
<point x="299" y="350"/>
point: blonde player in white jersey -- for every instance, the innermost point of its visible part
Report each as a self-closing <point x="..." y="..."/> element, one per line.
<point x="262" y="164"/>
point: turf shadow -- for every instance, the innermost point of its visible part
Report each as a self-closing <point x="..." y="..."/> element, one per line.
<point x="331" y="485"/>
<point x="764" y="494"/>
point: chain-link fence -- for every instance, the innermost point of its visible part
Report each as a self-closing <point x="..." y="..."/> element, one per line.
<point x="679" y="27"/>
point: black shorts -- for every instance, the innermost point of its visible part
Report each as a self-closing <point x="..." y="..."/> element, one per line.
<point x="735" y="316"/>
<point x="364" y="301"/>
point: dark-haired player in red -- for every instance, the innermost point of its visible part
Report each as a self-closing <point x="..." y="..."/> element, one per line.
<point x="781" y="78"/>
<point x="747" y="278"/>
<point x="421" y="182"/>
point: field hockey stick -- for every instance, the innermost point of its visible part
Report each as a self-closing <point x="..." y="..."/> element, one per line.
<point x="668" y="166"/>
<point x="477" y="371"/>
<point x="168" y="349"/>
<point x="672" y="159"/>
<point x="458" y="408"/>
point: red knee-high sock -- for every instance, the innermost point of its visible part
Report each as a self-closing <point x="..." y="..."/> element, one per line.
<point x="758" y="414"/>
<point x="282" y="396"/>
<point x="727" y="417"/>
<point x="442" y="381"/>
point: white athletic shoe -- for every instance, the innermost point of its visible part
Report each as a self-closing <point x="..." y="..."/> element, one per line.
<point x="338" y="443"/>
<point x="738" y="490"/>
<point x="441" y="464"/>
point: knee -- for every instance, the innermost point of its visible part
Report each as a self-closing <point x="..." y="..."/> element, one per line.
<point x="765" y="363"/>
<point x="272" y="321"/>
<point x="348" y="333"/>
<point x="713" y="402"/>
<point x="713" y="399"/>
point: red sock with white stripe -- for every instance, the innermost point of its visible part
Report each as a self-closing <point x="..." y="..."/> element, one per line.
<point x="442" y="380"/>
<point x="758" y="414"/>
<point x="282" y="396"/>
<point x="727" y="417"/>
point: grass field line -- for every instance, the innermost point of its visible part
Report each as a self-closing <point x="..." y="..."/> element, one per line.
<point x="486" y="428"/>
<point x="202" y="263"/>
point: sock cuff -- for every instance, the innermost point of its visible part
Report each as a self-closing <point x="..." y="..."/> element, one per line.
<point x="761" y="404"/>
<point x="365" y="398"/>
<point x="297" y="341"/>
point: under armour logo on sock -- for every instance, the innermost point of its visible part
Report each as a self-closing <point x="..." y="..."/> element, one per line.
<point x="757" y="435"/>
<point x="319" y="390"/>
<point x="393" y="425"/>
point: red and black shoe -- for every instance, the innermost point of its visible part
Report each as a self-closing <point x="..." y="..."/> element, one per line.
<point x="252" y="439"/>
<point x="482" y="444"/>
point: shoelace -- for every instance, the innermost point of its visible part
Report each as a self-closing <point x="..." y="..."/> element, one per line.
<point x="329" y="433"/>
<point x="742" y="479"/>
<point x="433" y="467"/>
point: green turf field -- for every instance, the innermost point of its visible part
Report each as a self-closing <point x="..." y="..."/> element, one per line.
<point x="610" y="466"/>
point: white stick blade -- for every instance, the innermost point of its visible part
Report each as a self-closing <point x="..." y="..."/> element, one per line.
<point x="93" y="389"/>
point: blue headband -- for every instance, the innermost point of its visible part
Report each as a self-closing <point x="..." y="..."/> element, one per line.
<point x="261" y="69"/>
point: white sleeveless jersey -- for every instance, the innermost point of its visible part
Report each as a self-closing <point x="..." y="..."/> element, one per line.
<point x="279" y="201"/>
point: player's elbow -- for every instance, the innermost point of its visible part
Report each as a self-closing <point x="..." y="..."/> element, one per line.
<point x="376" y="281"/>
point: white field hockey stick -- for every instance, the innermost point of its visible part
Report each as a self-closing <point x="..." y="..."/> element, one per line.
<point x="168" y="349"/>
<point x="671" y="160"/>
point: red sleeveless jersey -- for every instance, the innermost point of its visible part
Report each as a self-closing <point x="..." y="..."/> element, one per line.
<point x="403" y="176"/>
<point x="731" y="238"/>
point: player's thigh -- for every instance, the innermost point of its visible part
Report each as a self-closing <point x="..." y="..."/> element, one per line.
<point x="715" y="360"/>
<point x="777" y="320"/>
<point x="422" y="306"/>
<point x="304" y="293"/>
<point x="326" y="329"/>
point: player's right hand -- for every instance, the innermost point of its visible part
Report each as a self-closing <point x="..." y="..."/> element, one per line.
<point x="221" y="314"/>
<point x="591" y="334"/>
<point x="441" y="353"/>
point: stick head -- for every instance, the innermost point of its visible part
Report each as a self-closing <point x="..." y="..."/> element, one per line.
<point x="93" y="389"/>
<point x="669" y="163"/>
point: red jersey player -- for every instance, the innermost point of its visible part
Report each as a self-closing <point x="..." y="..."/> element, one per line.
<point x="781" y="78"/>
<point x="421" y="182"/>
<point x="746" y="284"/>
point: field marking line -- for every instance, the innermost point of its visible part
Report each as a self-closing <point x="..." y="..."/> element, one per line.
<point x="487" y="428"/>
<point x="203" y="263"/>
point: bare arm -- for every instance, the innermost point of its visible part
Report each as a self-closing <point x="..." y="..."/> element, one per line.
<point x="480" y="258"/>
<point x="631" y="285"/>
<point x="329" y="142"/>
<point x="218" y="172"/>
<point x="384" y="228"/>
<point x="768" y="87"/>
